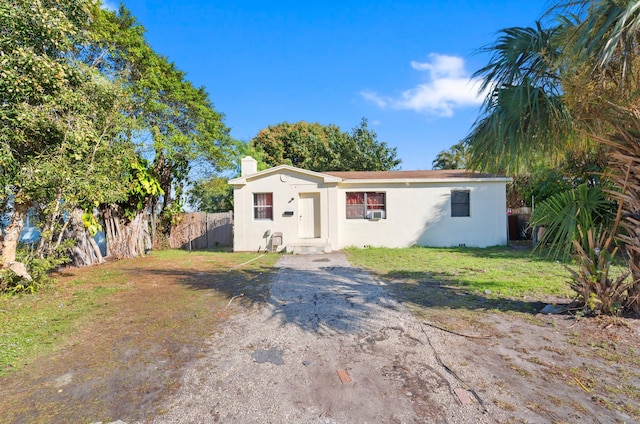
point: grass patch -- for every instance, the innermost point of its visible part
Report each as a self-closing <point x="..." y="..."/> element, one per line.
<point x="38" y="324"/>
<point x="503" y="271"/>
<point x="131" y="325"/>
<point x="32" y="325"/>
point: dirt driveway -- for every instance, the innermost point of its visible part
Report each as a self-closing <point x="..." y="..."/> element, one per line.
<point x="315" y="341"/>
<point x="331" y="345"/>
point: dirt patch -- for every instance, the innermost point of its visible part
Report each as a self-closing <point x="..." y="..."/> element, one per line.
<point x="322" y="342"/>
<point x="133" y="351"/>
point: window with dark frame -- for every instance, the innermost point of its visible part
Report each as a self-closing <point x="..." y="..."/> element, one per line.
<point x="263" y="206"/>
<point x="366" y="205"/>
<point x="460" y="203"/>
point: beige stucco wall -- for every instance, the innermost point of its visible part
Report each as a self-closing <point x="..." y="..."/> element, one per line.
<point x="420" y="214"/>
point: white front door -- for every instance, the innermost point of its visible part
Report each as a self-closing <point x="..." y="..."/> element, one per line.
<point x="309" y="215"/>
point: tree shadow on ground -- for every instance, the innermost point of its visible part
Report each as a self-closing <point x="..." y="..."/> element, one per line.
<point x="337" y="298"/>
<point x="340" y="299"/>
<point x="440" y="290"/>
<point x="248" y="286"/>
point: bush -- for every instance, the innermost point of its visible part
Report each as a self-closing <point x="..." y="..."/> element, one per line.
<point x="38" y="268"/>
<point x="598" y="293"/>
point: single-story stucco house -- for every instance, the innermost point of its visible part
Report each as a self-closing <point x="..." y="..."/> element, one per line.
<point x="293" y="209"/>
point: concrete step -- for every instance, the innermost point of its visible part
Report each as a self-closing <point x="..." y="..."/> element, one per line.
<point x="308" y="248"/>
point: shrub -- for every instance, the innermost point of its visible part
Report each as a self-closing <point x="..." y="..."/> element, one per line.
<point x="598" y="293"/>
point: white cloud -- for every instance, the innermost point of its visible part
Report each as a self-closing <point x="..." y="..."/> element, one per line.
<point x="448" y="87"/>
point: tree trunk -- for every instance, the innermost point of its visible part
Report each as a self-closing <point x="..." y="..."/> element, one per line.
<point x="9" y="244"/>
<point x="12" y="234"/>
<point x="86" y="251"/>
<point x="126" y="239"/>
<point x="48" y="229"/>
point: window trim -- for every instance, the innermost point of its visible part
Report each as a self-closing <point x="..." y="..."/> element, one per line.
<point x="365" y="210"/>
<point x="266" y="207"/>
<point x="455" y="213"/>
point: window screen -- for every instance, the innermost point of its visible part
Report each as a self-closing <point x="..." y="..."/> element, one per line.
<point x="460" y="203"/>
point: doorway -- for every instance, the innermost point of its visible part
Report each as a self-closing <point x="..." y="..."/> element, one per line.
<point x="309" y="215"/>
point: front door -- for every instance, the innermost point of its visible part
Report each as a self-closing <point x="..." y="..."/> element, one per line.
<point x="309" y="215"/>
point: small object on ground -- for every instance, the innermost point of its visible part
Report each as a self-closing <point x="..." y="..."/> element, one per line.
<point x="240" y="295"/>
<point x="272" y="355"/>
<point x="552" y="309"/>
<point x="306" y="363"/>
<point x="582" y="385"/>
<point x="463" y="396"/>
<point x="344" y="377"/>
<point x="487" y="291"/>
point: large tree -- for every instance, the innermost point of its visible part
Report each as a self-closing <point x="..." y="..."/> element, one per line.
<point x="84" y="99"/>
<point x="565" y="87"/>
<point x="325" y="147"/>
<point x="177" y="125"/>
<point x="39" y="90"/>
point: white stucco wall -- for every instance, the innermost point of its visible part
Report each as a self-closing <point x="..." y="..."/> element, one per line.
<point x="286" y="186"/>
<point x="420" y="214"/>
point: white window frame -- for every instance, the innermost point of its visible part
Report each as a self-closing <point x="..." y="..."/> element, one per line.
<point x="467" y="203"/>
<point x="257" y="208"/>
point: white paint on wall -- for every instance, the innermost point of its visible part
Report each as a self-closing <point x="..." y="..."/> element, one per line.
<point x="310" y="207"/>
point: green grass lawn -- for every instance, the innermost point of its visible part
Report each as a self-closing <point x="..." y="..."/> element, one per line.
<point x="502" y="270"/>
<point x="32" y="325"/>
<point x="496" y="278"/>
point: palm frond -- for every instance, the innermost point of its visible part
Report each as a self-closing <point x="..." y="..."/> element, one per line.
<point x="519" y="54"/>
<point x="521" y="124"/>
<point x="584" y="207"/>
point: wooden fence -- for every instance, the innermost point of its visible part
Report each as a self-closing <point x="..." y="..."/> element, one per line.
<point x="202" y="231"/>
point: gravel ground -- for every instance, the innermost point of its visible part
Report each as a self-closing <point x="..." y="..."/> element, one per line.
<point x="331" y="346"/>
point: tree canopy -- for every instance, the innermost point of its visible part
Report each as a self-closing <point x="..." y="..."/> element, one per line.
<point x="457" y="157"/>
<point x="95" y="126"/>
<point x="325" y="147"/>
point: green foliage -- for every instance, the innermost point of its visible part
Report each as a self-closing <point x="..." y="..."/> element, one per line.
<point x="540" y="185"/>
<point x="570" y="215"/>
<point x="363" y="151"/>
<point x="212" y="195"/>
<point x="325" y="147"/>
<point x="524" y="120"/>
<point x="38" y="269"/>
<point x="457" y="157"/>
<point x="91" y="223"/>
<point x="596" y="290"/>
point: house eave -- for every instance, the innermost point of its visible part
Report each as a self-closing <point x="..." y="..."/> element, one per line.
<point x="327" y="179"/>
<point x="405" y="181"/>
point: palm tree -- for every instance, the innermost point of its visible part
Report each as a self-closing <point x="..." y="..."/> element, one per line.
<point x="456" y="157"/>
<point x="563" y="87"/>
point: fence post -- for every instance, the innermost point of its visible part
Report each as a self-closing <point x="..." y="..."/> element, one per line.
<point x="190" y="220"/>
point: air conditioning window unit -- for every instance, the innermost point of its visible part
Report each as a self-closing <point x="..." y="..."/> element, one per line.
<point x="376" y="214"/>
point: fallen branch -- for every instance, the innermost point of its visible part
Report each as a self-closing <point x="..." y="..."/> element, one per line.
<point x="582" y="385"/>
<point x="228" y="304"/>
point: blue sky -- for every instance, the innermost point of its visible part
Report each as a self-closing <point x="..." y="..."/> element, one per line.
<point x="404" y="65"/>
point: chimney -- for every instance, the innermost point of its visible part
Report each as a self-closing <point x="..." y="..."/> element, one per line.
<point x="248" y="166"/>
